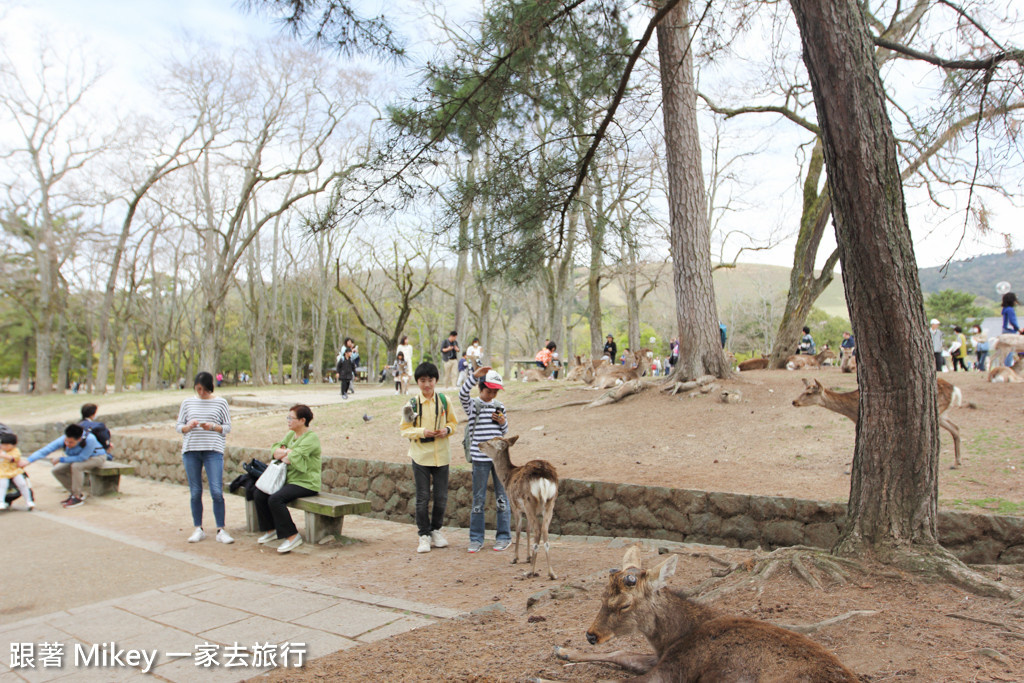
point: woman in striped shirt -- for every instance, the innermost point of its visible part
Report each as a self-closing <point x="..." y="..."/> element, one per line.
<point x="204" y="422"/>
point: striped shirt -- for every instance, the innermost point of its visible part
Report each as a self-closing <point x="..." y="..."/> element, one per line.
<point x="486" y="428"/>
<point x="214" y="410"/>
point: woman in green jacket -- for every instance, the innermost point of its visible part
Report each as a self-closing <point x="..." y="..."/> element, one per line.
<point x="300" y="451"/>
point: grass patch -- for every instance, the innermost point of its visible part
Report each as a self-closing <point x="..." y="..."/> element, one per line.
<point x="999" y="506"/>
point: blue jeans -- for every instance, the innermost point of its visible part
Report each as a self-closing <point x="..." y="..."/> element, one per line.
<point x="214" y="464"/>
<point x="481" y="472"/>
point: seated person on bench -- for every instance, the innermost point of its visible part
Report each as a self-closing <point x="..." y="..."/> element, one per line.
<point x="300" y="450"/>
<point x="82" y="453"/>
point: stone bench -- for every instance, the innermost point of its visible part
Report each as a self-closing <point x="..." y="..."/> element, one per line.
<point x="107" y="479"/>
<point x="325" y="513"/>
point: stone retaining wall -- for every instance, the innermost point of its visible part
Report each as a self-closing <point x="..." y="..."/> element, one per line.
<point x="606" y="509"/>
<point x="32" y="437"/>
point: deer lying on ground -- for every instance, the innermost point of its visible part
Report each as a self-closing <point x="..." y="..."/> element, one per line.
<point x="1006" y="344"/>
<point x="693" y="642"/>
<point x="805" y="362"/>
<point x="536" y="374"/>
<point x="532" y="489"/>
<point x="584" y="369"/>
<point x="754" y="364"/>
<point x="846" y="403"/>
<point x="1004" y="374"/>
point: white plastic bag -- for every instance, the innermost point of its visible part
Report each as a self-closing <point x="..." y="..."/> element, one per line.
<point x="272" y="479"/>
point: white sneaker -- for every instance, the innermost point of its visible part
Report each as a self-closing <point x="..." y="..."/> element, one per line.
<point x="438" y="540"/>
<point x="197" y="535"/>
<point x="223" y="537"/>
<point x="424" y="546"/>
<point x="267" y="537"/>
<point x="289" y="546"/>
<point x="31" y="505"/>
<point x="4" y="505"/>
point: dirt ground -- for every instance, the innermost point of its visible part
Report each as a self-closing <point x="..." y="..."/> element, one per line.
<point x="917" y="631"/>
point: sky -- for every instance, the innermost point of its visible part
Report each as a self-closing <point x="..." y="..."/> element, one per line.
<point x="130" y="37"/>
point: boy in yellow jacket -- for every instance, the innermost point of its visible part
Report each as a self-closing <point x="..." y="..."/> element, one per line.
<point x="429" y="422"/>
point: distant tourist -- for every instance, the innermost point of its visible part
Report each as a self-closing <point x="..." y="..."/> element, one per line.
<point x="980" y="342"/>
<point x="1010" y="325"/>
<point x="475" y="355"/>
<point x="450" y="353"/>
<point x="97" y="429"/>
<point x="807" y="346"/>
<point x="936" y="334"/>
<point x="405" y="348"/>
<point x="610" y="350"/>
<point x="346" y="371"/>
<point x="958" y="349"/>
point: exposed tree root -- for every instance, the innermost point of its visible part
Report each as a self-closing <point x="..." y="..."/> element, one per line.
<point x="618" y="393"/>
<point x="675" y="386"/>
<point x="561" y="405"/>
<point x="931" y="562"/>
<point x="825" y="623"/>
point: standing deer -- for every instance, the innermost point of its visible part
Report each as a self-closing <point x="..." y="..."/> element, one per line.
<point x="532" y="489"/>
<point x="693" y="642"/>
<point x="846" y="403"/>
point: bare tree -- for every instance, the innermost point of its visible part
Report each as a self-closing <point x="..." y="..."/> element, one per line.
<point x="55" y="147"/>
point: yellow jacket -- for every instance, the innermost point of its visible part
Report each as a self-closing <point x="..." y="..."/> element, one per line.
<point x="9" y="463"/>
<point x="431" y="414"/>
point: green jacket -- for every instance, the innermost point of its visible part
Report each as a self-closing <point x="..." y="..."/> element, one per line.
<point x="305" y="465"/>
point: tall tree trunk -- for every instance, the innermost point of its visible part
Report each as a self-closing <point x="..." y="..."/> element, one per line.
<point x="894" y="489"/>
<point x="25" y="378"/>
<point x="632" y="299"/>
<point x="804" y="287"/>
<point x="700" y="347"/>
<point x="595" y="223"/>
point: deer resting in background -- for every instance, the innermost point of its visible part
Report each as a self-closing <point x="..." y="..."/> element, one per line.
<point x="846" y="403"/>
<point x="754" y="364"/>
<point x="805" y="362"/>
<point x="532" y="490"/>
<point x="693" y="642"/>
<point x="1003" y="374"/>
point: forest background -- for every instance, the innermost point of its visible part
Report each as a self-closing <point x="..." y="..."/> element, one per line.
<point x="238" y="218"/>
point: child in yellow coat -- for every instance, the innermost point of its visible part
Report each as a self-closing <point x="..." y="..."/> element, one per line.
<point x="11" y="468"/>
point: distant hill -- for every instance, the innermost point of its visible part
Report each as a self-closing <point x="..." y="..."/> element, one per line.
<point x="978" y="275"/>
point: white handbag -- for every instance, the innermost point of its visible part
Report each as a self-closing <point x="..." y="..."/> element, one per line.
<point x="272" y="479"/>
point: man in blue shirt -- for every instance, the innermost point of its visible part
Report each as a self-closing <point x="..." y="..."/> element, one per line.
<point x="82" y="453"/>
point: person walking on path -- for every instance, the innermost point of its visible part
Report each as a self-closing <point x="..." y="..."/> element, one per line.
<point x="204" y="421"/>
<point x="937" y="344"/>
<point x="429" y="422"/>
<point x="981" y="347"/>
<point x="405" y="347"/>
<point x="475" y="355"/>
<point x="82" y="453"/>
<point x="346" y="371"/>
<point x="450" y="358"/>
<point x="300" y="451"/>
<point x="486" y="421"/>
<point x="958" y="349"/>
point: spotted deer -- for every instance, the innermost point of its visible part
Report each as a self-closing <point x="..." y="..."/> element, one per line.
<point x="847" y="404"/>
<point x="532" y="489"/>
<point x="693" y="642"/>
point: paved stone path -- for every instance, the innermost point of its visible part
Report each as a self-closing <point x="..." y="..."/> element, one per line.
<point x="224" y="611"/>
